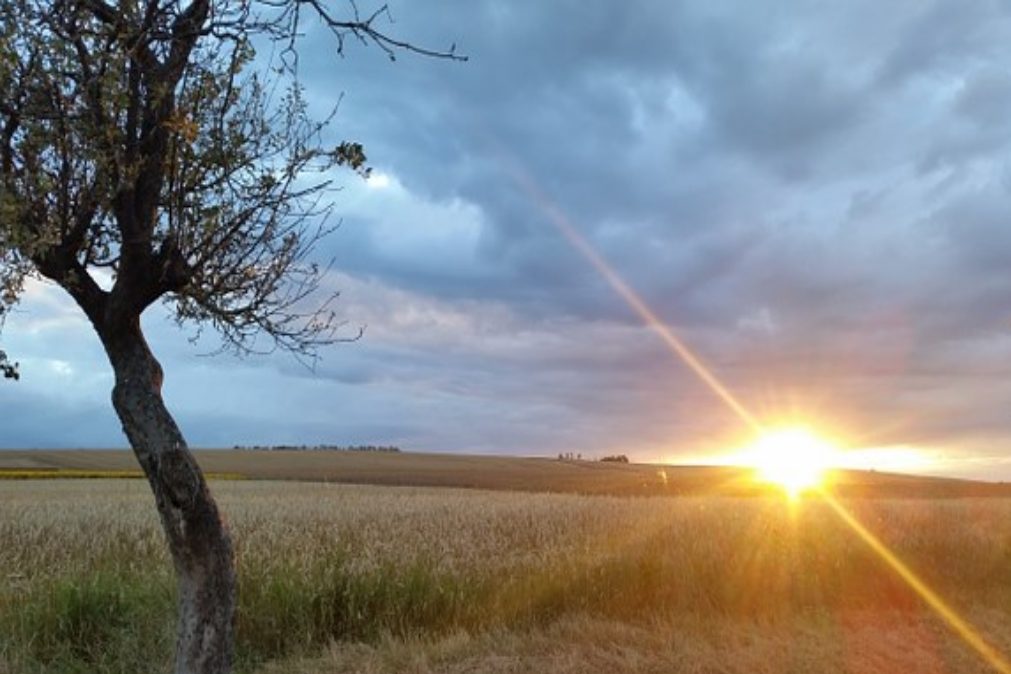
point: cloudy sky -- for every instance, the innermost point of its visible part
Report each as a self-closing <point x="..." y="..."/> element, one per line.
<point x="814" y="197"/>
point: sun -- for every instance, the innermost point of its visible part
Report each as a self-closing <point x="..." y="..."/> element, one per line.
<point x="793" y="458"/>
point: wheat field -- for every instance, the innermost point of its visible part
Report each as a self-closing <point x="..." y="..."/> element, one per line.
<point x="345" y="578"/>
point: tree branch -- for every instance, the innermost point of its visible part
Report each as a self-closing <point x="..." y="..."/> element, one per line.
<point x="8" y="369"/>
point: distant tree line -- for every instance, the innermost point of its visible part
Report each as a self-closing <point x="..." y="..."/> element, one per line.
<point x="616" y="458"/>
<point x="569" y="456"/>
<point x="322" y="448"/>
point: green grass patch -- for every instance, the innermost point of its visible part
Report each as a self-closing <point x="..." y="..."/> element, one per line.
<point x="288" y="610"/>
<point x="104" y="623"/>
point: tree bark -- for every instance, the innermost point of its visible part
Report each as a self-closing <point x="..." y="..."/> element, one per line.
<point x="198" y="540"/>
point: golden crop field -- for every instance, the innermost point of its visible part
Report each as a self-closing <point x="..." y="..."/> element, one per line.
<point x="347" y="578"/>
<point x="480" y="472"/>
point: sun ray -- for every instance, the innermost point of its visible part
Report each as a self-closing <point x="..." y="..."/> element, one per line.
<point x="634" y="301"/>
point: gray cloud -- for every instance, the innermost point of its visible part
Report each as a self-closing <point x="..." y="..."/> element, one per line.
<point x="814" y="197"/>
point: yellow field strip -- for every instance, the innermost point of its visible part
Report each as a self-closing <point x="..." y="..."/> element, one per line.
<point x="85" y="474"/>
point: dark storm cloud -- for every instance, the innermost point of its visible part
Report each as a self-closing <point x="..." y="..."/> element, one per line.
<point x="626" y="119"/>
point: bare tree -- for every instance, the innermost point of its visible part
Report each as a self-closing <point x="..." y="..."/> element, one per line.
<point x="142" y="158"/>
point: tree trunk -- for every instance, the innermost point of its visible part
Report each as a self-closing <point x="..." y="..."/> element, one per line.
<point x="198" y="540"/>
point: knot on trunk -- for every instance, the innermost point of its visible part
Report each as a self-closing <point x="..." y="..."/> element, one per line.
<point x="180" y="479"/>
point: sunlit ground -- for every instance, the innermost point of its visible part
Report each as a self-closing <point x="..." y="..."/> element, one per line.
<point x="757" y="588"/>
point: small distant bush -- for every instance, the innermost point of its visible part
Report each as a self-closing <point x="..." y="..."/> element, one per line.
<point x="617" y="458"/>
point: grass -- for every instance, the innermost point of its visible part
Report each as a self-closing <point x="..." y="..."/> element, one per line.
<point x="355" y="578"/>
<point x="856" y="643"/>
